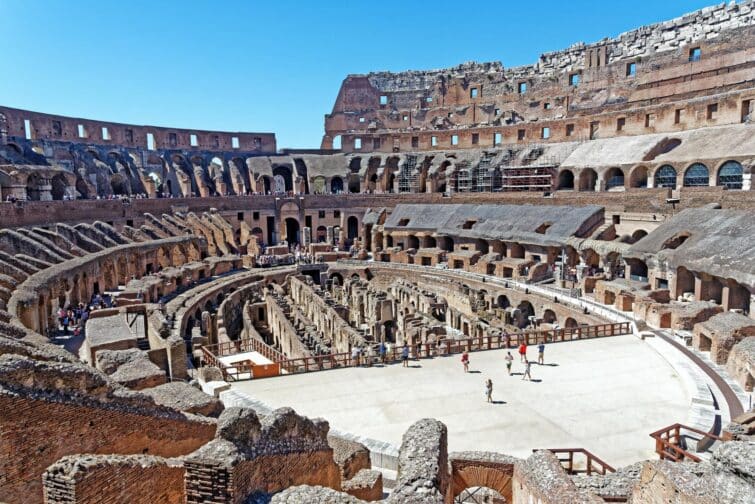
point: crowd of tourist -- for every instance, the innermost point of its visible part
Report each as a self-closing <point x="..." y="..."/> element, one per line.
<point x="73" y="319"/>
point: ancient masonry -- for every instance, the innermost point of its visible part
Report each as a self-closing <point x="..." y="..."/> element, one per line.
<point x="604" y="190"/>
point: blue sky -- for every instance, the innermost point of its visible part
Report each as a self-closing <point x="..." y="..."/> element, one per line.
<point x="269" y="65"/>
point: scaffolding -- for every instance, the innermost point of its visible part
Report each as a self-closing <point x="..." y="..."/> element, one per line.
<point x="407" y="177"/>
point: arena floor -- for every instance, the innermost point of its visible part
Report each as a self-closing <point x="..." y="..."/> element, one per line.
<point x="605" y="395"/>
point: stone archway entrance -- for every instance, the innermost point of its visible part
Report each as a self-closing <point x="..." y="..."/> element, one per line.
<point x="292" y="230"/>
<point x="472" y="470"/>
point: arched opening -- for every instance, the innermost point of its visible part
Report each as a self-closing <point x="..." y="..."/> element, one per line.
<point x="336" y="278"/>
<point x="321" y="234"/>
<point x="318" y="185"/>
<point x="685" y="281"/>
<point x="59" y="185"/>
<point x="292" y="230"/>
<point x="639" y="177"/>
<point x="282" y="180"/>
<point x="549" y="317"/>
<point x="587" y="179"/>
<point x="337" y="142"/>
<point x="638" y="270"/>
<point x="502" y="301"/>
<point x="412" y="242"/>
<point x="32" y="187"/>
<point x="266" y="186"/>
<point x="517" y="251"/>
<point x="120" y="184"/>
<point x="388" y="241"/>
<point x="259" y="234"/>
<point x="525" y="310"/>
<point x="352" y="228"/>
<point x="354" y="183"/>
<point x="639" y="235"/>
<point x="665" y="176"/>
<point x="429" y="242"/>
<point x="482" y="246"/>
<point x="389" y="185"/>
<point x="565" y="180"/>
<point x="446" y="243"/>
<point x="336" y="185"/>
<point x="696" y="176"/>
<point x="570" y="323"/>
<point x="614" y="179"/>
<point x="730" y="175"/>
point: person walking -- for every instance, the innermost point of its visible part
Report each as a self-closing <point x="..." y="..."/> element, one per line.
<point x="523" y="352"/>
<point x="465" y="361"/>
<point x="527" y="375"/>
<point x="541" y="353"/>
<point x="355" y="356"/>
<point x="489" y="390"/>
<point x="405" y="355"/>
<point x="381" y="351"/>
<point x="509" y="360"/>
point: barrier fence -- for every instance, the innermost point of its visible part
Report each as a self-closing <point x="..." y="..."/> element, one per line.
<point x="245" y="369"/>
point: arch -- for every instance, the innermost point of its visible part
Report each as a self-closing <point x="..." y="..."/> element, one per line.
<point x="517" y="251"/>
<point x="565" y="180"/>
<point x="696" y="175"/>
<point x="587" y="179"/>
<point x="525" y="310"/>
<point x="336" y="185"/>
<point x="352" y="228"/>
<point x="120" y="184"/>
<point x="570" y="323"/>
<point x="59" y="185"/>
<point x="730" y="175"/>
<point x="354" y="183"/>
<point x="638" y="269"/>
<point x="614" y="179"/>
<point x="412" y="242"/>
<point x="266" y="184"/>
<point x="429" y="242"/>
<point x="665" y="176"/>
<point x="639" y="235"/>
<point x="446" y="243"/>
<point x="32" y="186"/>
<point x="259" y="234"/>
<point x="336" y="278"/>
<point x="502" y="301"/>
<point x="282" y="179"/>
<point x="321" y="234"/>
<point x="318" y="185"/>
<point x="638" y="177"/>
<point x="549" y="317"/>
<point x="685" y="281"/>
<point x="292" y="230"/>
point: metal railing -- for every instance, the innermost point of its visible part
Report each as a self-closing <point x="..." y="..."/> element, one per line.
<point x="671" y="441"/>
<point x="592" y="463"/>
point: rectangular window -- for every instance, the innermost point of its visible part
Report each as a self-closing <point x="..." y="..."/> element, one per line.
<point x="631" y="69"/>
<point x="569" y="129"/>
<point x="520" y="134"/>
<point x="694" y="54"/>
<point x="649" y="120"/>
<point x="361" y="119"/>
<point x="150" y="141"/>
<point x="454" y="139"/>
<point x="257" y="142"/>
<point x="337" y="214"/>
<point x="376" y="143"/>
<point x="574" y="79"/>
<point x="234" y="142"/>
<point x="594" y="128"/>
<point x="545" y="133"/>
<point x="497" y="137"/>
<point x="547" y="106"/>
<point x="433" y="141"/>
<point x="712" y="111"/>
<point x="415" y="142"/>
<point x="193" y="140"/>
<point x="105" y="133"/>
<point x="27" y="129"/>
<point x="240" y="216"/>
<point x="383" y="100"/>
<point x="357" y="143"/>
<point x="57" y="128"/>
<point x="745" y="114"/>
<point x="473" y="92"/>
<point x="256" y="215"/>
<point x="321" y="214"/>
<point x="308" y="221"/>
<point x="522" y="87"/>
<point x="130" y="136"/>
<point x="678" y="113"/>
<point x="82" y="131"/>
<point x="620" y="122"/>
<point x="497" y="112"/>
<point x="475" y="138"/>
<point x="216" y="141"/>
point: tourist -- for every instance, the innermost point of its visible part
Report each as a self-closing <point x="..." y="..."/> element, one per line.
<point x="541" y="353"/>
<point x="370" y="355"/>
<point x="355" y="356"/>
<point x="489" y="390"/>
<point x="465" y="361"/>
<point x="509" y="360"/>
<point x="382" y="351"/>
<point x="405" y="355"/>
<point x="527" y="375"/>
<point x="523" y="352"/>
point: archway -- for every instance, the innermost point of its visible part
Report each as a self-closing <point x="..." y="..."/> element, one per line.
<point x="59" y="185"/>
<point x="429" y="242"/>
<point x="665" y="176"/>
<point x="120" y="184"/>
<point x="336" y="185"/>
<point x="282" y="179"/>
<point x="412" y="242"/>
<point x="696" y="176"/>
<point x="352" y="228"/>
<point x="730" y="175"/>
<point x="639" y="177"/>
<point x="549" y="317"/>
<point x="32" y="187"/>
<point x="570" y="323"/>
<point x="587" y="179"/>
<point x="565" y="180"/>
<point x="614" y="179"/>
<point x="292" y="230"/>
<point x="502" y="301"/>
<point x="354" y="183"/>
<point x="321" y="234"/>
<point x="685" y="281"/>
<point x="639" y="235"/>
<point x="525" y="310"/>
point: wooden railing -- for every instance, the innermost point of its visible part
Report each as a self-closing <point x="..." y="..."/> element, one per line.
<point x="423" y="350"/>
<point x="670" y="441"/>
<point x="592" y="464"/>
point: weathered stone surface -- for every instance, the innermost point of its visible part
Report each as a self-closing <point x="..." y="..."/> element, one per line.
<point x="350" y="456"/>
<point x="423" y="462"/>
<point x="184" y="397"/>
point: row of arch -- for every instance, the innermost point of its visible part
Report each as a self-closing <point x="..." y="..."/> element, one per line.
<point x="730" y="175"/>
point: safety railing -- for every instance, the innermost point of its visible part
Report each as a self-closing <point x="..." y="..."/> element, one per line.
<point x="572" y="461"/>
<point x="671" y="442"/>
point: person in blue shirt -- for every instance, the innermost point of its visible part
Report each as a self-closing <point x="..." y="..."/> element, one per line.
<point x="541" y="353"/>
<point x="405" y="355"/>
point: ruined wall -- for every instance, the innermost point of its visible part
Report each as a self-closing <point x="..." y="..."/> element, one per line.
<point x="112" y="479"/>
